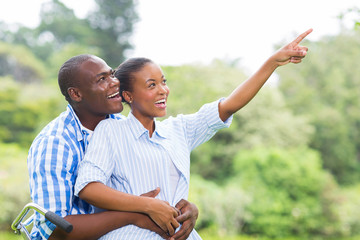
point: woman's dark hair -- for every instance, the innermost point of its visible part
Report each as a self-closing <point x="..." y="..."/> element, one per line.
<point x="124" y="72"/>
<point x="68" y="71"/>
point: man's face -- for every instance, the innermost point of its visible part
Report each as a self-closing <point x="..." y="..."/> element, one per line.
<point x="99" y="88"/>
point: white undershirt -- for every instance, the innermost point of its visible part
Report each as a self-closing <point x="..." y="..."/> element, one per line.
<point x="174" y="178"/>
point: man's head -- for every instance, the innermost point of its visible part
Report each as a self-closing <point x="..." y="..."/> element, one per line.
<point x="89" y="85"/>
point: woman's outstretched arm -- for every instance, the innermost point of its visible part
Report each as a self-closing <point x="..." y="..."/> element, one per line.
<point x="243" y="94"/>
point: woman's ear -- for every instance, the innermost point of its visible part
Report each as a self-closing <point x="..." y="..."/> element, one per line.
<point x="127" y="96"/>
<point x="74" y="94"/>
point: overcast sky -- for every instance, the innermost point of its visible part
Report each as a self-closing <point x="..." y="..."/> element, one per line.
<point x="174" y="32"/>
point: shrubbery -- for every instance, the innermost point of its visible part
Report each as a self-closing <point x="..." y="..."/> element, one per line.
<point x="276" y="193"/>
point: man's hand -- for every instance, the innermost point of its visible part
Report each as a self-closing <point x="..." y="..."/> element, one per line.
<point x="188" y="217"/>
<point x="152" y="193"/>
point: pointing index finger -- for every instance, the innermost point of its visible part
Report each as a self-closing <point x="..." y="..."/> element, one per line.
<point x="302" y="36"/>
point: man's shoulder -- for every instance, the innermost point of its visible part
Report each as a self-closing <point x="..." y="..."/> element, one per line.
<point x="62" y="126"/>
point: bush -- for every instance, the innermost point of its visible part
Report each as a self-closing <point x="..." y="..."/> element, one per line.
<point x="14" y="183"/>
<point x="221" y="209"/>
<point x="291" y="194"/>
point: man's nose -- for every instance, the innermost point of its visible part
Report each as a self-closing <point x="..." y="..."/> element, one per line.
<point x="114" y="81"/>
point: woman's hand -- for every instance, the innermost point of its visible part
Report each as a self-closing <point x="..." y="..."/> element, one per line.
<point x="292" y="52"/>
<point x="163" y="215"/>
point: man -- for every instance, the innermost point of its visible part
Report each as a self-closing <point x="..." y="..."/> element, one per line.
<point x="92" y="92"/>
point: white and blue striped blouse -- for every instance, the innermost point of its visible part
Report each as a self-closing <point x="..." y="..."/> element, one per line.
<point x="123" y="156"/>
<point x="53" y="161"/>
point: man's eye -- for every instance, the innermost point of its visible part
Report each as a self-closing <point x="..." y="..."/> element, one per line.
<point x="164" y="81"/>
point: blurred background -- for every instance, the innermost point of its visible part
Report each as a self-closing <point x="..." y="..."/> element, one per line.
<point x="287" y="168"/>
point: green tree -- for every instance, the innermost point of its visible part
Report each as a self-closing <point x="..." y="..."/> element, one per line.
<point x="14" y="180"/>
<point x="113" y="22"/>
<point x="23" y="111"/>
<point x="326" y="89"/>
<point x="20" y="63"/>
<point x="106" y="30"/>
<point x="291" y="193"/>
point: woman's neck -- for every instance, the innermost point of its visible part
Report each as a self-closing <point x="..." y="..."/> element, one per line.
<point x="147" y="122"/>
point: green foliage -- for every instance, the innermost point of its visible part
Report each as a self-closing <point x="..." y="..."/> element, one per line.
<point x="113" y="21"/>
<point x="23" y="110"/>
<point x="20" y="63"/>
<point x="222" y="209"/>
<point x="10" y="236"/>
<point x="349" y="210"/>
<point x="326" y="89"/>
<point x="106" y="30"/>
<point x="291" y="194"/>
<point x="14" y="188"/>
<point x="59" y="57"/>
<point x="191" y="86"/>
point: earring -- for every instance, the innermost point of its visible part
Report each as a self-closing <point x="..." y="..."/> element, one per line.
<point x="130" y="101"/>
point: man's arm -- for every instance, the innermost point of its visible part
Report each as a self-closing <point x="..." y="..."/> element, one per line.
<point x="93" y="226"/>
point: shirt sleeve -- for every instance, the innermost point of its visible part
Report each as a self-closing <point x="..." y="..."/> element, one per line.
<point x="50" y="165"/>
<point x="97" y="165"/>
<point x="202" y="125"/>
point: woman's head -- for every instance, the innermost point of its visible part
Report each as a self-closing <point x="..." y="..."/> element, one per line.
<point x="126" y="70"/>
<point x="143" y="87"/>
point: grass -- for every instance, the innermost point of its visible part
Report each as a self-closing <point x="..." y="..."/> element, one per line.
<point x="10" y="236"/>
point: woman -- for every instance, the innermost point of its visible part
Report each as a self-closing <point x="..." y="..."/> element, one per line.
<point x="140" y="153"/>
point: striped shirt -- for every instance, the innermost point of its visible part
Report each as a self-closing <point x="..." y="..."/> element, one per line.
<point x="53" y="161"/>
<point x="123" y="156"/>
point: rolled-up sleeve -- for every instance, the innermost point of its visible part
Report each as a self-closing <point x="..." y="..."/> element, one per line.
<point x="202" y="125"/>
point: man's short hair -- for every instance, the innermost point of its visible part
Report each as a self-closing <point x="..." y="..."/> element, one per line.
<point x="68" y="71"/>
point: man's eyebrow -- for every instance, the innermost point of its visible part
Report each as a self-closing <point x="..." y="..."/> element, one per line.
<point x="104" y="73"/>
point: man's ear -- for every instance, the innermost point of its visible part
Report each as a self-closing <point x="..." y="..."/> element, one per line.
<point x="127" y="96"/>
<point x="74" y="94"/>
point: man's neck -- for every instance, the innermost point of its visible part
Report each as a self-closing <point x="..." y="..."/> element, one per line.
<point x="88" y="120"/>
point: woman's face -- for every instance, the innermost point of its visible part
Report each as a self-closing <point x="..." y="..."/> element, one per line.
<point x="149" y="93"/>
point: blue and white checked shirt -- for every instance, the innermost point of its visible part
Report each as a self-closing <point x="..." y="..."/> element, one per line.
<point x="53" y="161"/>
<point x="123" y="156"/>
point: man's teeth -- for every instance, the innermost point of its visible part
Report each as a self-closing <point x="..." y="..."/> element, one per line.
<point x="113" y="95"/>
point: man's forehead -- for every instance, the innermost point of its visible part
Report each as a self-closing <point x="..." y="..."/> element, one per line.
<point x="95" y="66"/>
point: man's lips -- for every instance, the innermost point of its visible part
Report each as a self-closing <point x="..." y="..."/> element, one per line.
<point x="114" y="95"/>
